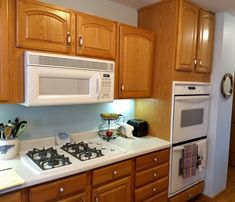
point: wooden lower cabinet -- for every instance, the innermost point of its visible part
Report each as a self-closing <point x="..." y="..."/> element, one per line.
<point x="11" y="197"/>
<point x="77" y="198"/>
<point x="188" y="194"/>
<point x="117" y="191"/>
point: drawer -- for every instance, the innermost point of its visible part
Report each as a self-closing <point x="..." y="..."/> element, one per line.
<point x="162" y="197"/>
<point x="11" y="197"/>
<point x="189" y="193"/>
<point x="111" y="172"/>
<point x="150" y="175"/>
<point x="152" y="159"/>
<point x="53" y="190"/>
<point x="151" y="190"/>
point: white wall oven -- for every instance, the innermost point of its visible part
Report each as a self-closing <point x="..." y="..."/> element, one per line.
<point x="189" y="131"/>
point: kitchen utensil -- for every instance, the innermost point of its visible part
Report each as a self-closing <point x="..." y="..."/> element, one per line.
<point x="20" y="127"/>
<point x="7" y="132"/>
<point x="1" y="130"/>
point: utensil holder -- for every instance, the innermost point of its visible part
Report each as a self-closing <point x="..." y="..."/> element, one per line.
<point x="9" y="148"/>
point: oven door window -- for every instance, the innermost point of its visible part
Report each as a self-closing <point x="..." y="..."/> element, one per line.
<point x="190" y="118"/>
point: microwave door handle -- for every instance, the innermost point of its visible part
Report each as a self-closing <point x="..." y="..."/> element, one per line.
<point x="98" y="86"/>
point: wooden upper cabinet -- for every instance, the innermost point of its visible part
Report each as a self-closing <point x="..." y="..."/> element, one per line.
<point x="205" y="42"/>
<point x="4" y="69"/>
<point x="96" y="36"/>
<point x="187" y="37"/>
<point x="136" y="62"/>
<point x="43" y="27"/>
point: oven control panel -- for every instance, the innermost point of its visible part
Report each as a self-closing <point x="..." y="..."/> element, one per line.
<point x="191" y="89"/>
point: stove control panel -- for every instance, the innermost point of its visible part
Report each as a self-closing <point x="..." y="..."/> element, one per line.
<point x="191" y="88"/>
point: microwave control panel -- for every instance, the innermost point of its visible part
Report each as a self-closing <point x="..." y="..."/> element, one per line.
<point x="106" y="86"/>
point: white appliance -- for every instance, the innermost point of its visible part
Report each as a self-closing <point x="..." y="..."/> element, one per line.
<point x="189" y="126"/>
<point x="52" y="79"/>
<point x="191" y="110"/>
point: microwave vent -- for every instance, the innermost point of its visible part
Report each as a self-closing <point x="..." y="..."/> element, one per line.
<point x="81" y="63"/>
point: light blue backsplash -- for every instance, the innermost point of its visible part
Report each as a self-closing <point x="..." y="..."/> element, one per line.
<point x="47" y="121"/>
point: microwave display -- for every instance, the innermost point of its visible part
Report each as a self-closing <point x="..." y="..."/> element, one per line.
<point x="63" y="86"/>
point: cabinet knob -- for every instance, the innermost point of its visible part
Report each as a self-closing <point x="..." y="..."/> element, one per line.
<point x="82" y="199"/>
<point x="61" y="189"/>
<point x="195" y="61"/>
<point x="155" y="159"/>
<point x="190" y="195"/>
<point x="96" y="198"/>
<point x="115" y="172"/>
<point x="200" y="61"/>
<point x="80" y="41"/>
<point x="69" y="39"/>
<point x="154" y="189"/>
<point x="154" y="174"/>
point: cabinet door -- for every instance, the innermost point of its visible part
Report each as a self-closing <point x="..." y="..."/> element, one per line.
<point x="4" y="69"/>
<point x="77" y="198"/>
<point x="96" y="36"/>
<point x="187" y="37"/>
<point x="12" y="197"/>
<point x="43" y="27"/>
<point x="117" y="191"/>
<point x="136" y="62"/>
<point x="205" y="42"/>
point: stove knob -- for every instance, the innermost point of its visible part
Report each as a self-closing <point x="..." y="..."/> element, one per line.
<point x="115" y="172"/>
<point x="61" y="190"/>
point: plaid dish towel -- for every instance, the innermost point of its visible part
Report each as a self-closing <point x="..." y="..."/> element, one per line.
<point x="194" y="159"/>
<point x="187" y="161"/>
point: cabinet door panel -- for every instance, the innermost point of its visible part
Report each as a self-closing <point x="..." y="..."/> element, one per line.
<point x="187" y="37"/>
<point x="96" y="36"/>
<point x="77" y="198"/>
<point x="205" y="42"/>
<point x="12" y="197"/>
<point x="4" y="69"/>
<point x="43" y="27"/>
<point x="136" y="58"/>
<point x="117" y="191"/>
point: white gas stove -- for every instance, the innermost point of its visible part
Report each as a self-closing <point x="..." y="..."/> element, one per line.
<point x="43" y="160"/>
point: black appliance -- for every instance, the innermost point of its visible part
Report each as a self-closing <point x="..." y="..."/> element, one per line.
<point x="140" y="127"/>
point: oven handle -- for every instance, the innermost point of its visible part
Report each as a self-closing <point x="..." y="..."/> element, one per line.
<point x="179" y="148"/>
<point x="193" y="99"/>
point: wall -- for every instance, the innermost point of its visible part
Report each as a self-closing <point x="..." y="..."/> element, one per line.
<point x="102" y="8"/>
<point x="47" y="121"/>
<point x="220" y="109"/>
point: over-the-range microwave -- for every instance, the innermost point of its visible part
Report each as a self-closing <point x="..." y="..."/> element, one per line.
<point x="52" y="79"/>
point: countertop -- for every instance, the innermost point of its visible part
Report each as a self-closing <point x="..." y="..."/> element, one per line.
<point x="133" y="147"/>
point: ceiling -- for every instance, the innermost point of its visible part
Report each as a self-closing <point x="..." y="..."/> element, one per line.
<point x="213" y="5"/>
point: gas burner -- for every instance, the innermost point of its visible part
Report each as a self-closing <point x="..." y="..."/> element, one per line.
<point x="47" y="158"/>
<point x="82" y="151"/>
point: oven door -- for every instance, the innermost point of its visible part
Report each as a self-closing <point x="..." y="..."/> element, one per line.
<point x="177" y="182"/>
<point x="190" y="117"/>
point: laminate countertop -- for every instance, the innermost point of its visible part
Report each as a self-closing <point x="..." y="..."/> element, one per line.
<point x="132" y="147"/>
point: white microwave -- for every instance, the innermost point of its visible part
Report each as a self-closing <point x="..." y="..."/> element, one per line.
<point x="52" y="79"/>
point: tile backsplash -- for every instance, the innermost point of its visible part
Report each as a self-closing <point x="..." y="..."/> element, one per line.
<point x="47" y="121"/>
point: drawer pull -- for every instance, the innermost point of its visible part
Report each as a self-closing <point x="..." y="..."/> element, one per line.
<point x="61" y="190"/>
<point x="190" y="195"/>
<point x="96" y="198"/>
<point x="154" y="189"/>
<point x="115" y="172"/>
<point x="155" y="159"/>
<point x="154" y="174"/>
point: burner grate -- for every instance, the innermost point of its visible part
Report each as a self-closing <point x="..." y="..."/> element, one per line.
<point x="82" y="151"/>
<point x="47" y="158"/>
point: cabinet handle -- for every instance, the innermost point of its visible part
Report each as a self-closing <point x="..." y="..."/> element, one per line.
<point x="115" y="172"/>
<point x="154" y="189"/>
<point x="96" y="198"/>
<point x="155" y="159"/>
<point x="200" y="61"/>
<point x="122" y="87"/>
<point x="69" y="39"/>
<point x="190" y="195"/>
<point x="195" y="61"/>
<point x="61" y="190"/>
<point x="154" y="174"/>
<point x="80" y="41"/>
